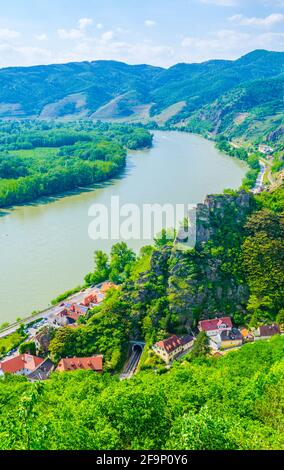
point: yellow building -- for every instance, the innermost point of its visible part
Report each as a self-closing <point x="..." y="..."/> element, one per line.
<point x="172" y="347"/>
<point x="231" y="339"/>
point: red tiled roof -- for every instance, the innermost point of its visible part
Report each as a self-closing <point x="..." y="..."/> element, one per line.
<point x="23" y="361"/>
<point x="170" y="344"/>
<point x="86" y="363"/>
<point x="214" y="324"/>
<point x="73" y="315"/>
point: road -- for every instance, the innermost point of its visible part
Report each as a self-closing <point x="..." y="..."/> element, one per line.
<point x="132" y="364"/>
<point x="259" y="182"/>
<point x="76" y="298"/>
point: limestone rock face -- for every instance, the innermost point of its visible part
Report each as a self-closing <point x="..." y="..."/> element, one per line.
<point x="201" y="285"/>
<point x="215" y="207"/>
<point x="206" y="281"/>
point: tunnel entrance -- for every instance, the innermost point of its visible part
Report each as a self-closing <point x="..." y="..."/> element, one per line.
<point x="135" y="352"/>
<point x="137" y="348"/>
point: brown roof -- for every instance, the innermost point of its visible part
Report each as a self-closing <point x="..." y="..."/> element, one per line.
<point x="170" y="344"/>
<point x="86" y="363"/>
<point x="173" y="342"/>
<point x="215" y="324"/>
<point x="23" y="361"/>
<point x="269" y="330"/>
<point x="73" y="315"/>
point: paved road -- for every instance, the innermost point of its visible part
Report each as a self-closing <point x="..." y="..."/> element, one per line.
<point x="259" y="182"/>
<point x="76" y="298"/>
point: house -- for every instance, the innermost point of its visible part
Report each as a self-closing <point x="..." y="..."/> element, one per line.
<point x="215" y="326"/>
<point x="94" y="363"/>
<point x="266" y="331"/>
<point x="72" y="317"/>
<point x="23" y="364"/>
<point x="43" y="371"/>
<point x="89" y="299"/>
<point x="265" y="149"/>
<point x="58" y="318"/>
<point x="246" y="334"/>
<point x="231" y="339"/>
<point x="69" y="314"/>
<point x="172" y="347"/>
<point x="76" y="308"/>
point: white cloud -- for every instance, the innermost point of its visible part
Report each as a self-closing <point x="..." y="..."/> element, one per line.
<point x="220" y="41"/>
<point x="270" y="20"/>
<point x="99" y="26"/>
<point x="41" y="37"/>
<point x="70" y="34"/>
<point x="229" y="44"/>
<point x="150" y="23"/>
<point x="84" y="22"/>
<point x="23" y="55"/>
<point x="122" y="30"/>
<point x="107" y="36"/>
<point x="6" y="33"/>
<point x="132" y="53"/>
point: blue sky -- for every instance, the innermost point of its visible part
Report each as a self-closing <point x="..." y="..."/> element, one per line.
<point x="158" y="32"/>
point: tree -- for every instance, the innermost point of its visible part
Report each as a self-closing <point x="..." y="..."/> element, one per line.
<point x="202" y="431"/>
<point x="165" y="237"/>
<point x="28" y="347"/>
<point x="280" y="317"/>
<point x="122" y="259"/>
<point x="200" y="346"/>
<point x="62" y="345"/>
<point x="102" y="269"/>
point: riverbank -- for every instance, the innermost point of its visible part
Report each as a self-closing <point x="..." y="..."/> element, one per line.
<point x="47" y="160"/>
<point x="45" y="247"/>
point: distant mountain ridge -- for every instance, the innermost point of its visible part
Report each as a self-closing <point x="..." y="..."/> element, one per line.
<point x="204" y="96"/>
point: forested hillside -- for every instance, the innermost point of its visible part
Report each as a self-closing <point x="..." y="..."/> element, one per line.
<point x="233" y="402"/>
<point x="236" y="269"/>
<point x="229" y="96"/>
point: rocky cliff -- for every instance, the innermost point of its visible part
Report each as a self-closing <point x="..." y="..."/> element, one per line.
<point x="205" y="281"/>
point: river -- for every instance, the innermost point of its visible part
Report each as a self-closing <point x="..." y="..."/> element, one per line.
<point x="45" y="248"/>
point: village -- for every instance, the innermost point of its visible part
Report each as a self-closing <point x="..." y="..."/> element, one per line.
<point x="35" y="363"/>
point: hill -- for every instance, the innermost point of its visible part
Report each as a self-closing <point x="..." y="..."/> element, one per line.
<point x="233" y="402"/>
<point x="222" y="93"/>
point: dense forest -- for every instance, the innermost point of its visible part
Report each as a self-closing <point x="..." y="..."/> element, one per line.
<point x="231" y="402"/>
<point x="46" y="158"/>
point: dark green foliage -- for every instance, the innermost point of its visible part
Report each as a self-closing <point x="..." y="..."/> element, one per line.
<point x="29" y="347"/>
<point x="232" y="402"/>
<point x="201" y="346"/>
<point x="117" y="269"/>
<point x="273" y="200"/>
<point x="42" y="159"/>
<point x="263" y="261"/>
